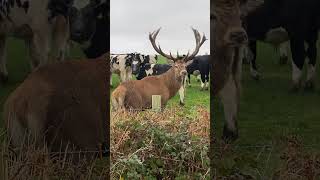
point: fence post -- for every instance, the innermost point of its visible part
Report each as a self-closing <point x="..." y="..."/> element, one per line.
<point x="156" y="103"/>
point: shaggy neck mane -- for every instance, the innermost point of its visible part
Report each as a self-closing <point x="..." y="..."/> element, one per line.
<point x="172" y="82"/>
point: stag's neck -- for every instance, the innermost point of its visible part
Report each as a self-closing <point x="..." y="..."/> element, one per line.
<point x="172" y="81"/>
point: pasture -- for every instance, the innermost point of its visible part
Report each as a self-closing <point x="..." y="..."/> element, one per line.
<point x="270" y="118"/>
<point x="172" y="143"/>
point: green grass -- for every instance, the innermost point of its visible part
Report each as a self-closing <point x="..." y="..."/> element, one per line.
<point x="194" y="97"/>
<point x="269" y="112"/>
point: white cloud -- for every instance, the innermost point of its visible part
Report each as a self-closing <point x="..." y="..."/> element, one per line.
<point x="132" y="20"/>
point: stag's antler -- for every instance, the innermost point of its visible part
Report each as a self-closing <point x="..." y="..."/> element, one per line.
<point x="152" y="38"/>
<point x="199" y="42"/>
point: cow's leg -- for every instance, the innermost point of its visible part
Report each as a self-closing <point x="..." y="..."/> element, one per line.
<point x="123" y="75"/>
<point x="198" y="78"/>
<point x="207" y="81"/>
<point x="189" y="79"/>
<point x="284" y="53"/>
<point x="298" y="56"/>
<point x="3" y="62"/>
<point x="253" y="66"/>
<point x="203" y="81"/>
<point x="39" y="50"/>
<point x="312" y="55"/>
<point x="229" y="99"/>
<point x="60" y="38"/>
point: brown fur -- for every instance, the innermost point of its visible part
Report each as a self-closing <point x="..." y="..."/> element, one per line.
<point x="65" y="102"/>
<point x="226" y="61"/>
<point x="137" y="94"/>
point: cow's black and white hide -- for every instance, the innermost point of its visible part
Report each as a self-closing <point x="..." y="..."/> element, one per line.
<point x="201" y="64"/>
<point x="147" y="59"/>
<point x="137" y="61"/>
<point x="39" y="24"/>
<point x="122" y="65"/>
<point x="89" y="26"/>
<point x="277" y="38"/>
<point x="301" y="20"/>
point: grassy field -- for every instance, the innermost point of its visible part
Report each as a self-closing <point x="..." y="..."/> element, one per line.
<point x="269" y="115"/>
<point x="194" y="97"/>
<point x="181" y="131"/>
<point x="172" y="144"/>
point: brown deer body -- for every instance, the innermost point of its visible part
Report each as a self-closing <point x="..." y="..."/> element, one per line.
<point x="62" y="103"/>
<point x="137" y="94"/>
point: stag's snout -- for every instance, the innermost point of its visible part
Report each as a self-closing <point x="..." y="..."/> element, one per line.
<point x="184" y="72"/>
<point x="237" y="37"/>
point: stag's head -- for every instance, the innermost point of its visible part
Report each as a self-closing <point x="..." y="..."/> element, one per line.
<point x="178" y="62"/>
<point x="226" y="21"/>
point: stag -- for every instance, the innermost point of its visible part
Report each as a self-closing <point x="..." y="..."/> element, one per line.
<point x="62" y="105"/>
<point x="137" y="94"/>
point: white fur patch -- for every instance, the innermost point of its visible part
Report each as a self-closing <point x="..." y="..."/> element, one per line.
<point x="150" y="71"/>
<point x="296" y="73"/>
<point x="202" y="84"/>
<point x="311" y="72"/>
<point x="182" y="93"/>
<point x="79" y="4"/>
<point x="135" y="62"/>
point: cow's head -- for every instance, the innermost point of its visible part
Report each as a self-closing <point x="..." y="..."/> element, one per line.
<point x="83" y="17"/>
<point x="136" y="63"/>
<point x="227" y="24"/>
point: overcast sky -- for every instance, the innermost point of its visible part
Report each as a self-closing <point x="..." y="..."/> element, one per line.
<point x="132" y="20"/>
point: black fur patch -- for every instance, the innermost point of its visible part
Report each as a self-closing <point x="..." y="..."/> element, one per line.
<point x="25" y="6"/>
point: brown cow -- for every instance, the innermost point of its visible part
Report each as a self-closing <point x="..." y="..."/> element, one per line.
<point x="65" y="102"/>
<point x="228" y="37"/>
<point x="138" y="94"/>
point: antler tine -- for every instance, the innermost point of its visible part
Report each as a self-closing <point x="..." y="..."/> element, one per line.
<point x="199" y="43"/>
<point x="152" y="38"/>
<point x="172" y="57"/>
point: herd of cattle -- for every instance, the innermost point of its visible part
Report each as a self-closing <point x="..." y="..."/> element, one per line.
<point x="140" y="65"/>
<point x="239" y="24"/>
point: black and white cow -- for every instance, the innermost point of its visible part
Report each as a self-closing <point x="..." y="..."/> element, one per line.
<point x="278" y="38"/>
<point x="200" y="63"/>
<point x="89" y="26"/>
<point x="123" y="66"/>
<point x="301" y="20"/>
<point x="140" y="66"/>
<point x="42" y="26"/>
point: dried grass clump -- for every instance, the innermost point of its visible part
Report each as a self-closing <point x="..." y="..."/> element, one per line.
<point x="28" y="162"/>
<point x="165" y="145"/>
<point x="297" y="162"/>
